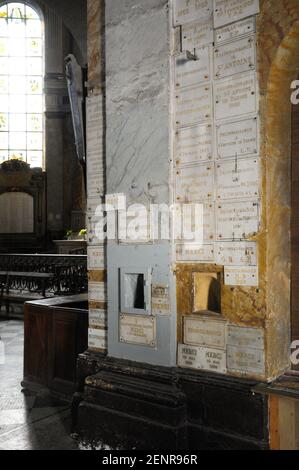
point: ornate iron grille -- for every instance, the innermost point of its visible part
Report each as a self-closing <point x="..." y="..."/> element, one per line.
<point x="70" y="271"/>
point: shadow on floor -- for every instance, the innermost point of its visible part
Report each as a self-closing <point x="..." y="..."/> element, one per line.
<point x="28" y="421"/>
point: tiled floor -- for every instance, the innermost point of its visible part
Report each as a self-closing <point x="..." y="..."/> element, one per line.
<point x="27" y="421"/>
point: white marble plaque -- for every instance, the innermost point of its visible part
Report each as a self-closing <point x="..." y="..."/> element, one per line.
<point x="236" y="96"/>
<point x="115" y="202"/>
<point x="214" y="360"/>
<point x="160" y="299"/>
<point x="191" y="10"/>
<point x="135" y="225"/>
<point x="177" y="41"/>
<point x="246" y="337"/>
<point x="205" y="332"/>
<point x="235" y="30"/>
<point x="189" y="357"/>
<point x="246" y="360"/>
<point x="94" y="109"/>
<point x="92" y="231"/>
<point x="95" y="165"/>
<point x="193" y="105"/>
<point x="235" y="57"/>
<point x="238" y="178"/>
<point x="192" y="252"/>
<point x="209" y="222"/>
<point x="246" y="276"/>
<point x="195" y="183"/>
<point x="236" y="253"/>
<point x="97" y="339"/>
<point x="97" y="291"/>
<point x="93" y="217"/>
<point x="191" y="72"/>
<point x="95" y="162"/>
<point x="92" y="205"/>
<point x="96" y="258"/>
<point x="95" y="185"/>
<point x="196" y="35"/>
<point x="230" y="11"/>
<point x="237" y="220"/>
<point x="193" y="145"/>
<point x="238" y="138"/>
<point x="186" y="219"/>
<point x="138" y="329"/>
<point x="194" y="357"/>
<point x="98" y="318"/>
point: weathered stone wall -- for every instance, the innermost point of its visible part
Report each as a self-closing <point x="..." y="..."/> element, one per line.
<point x="137" y="100"/>
<point x="268" y="306"/>
<point x="132" y="60"/>
<point x="278" y="46"/>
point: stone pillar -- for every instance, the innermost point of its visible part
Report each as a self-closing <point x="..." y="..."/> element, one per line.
<point x="96" y="176"/>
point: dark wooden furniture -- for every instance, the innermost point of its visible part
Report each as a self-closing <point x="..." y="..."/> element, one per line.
<point x="18" y="177"/>
<point x="56" y="332"/>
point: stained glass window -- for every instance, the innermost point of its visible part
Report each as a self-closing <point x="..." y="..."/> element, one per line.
<point x="21" y="84"/>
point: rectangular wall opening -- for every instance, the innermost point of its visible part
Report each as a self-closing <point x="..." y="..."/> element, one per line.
<point x="206" y="293"/>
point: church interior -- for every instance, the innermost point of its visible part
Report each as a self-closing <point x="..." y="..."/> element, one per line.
<point x="149" y="225"/>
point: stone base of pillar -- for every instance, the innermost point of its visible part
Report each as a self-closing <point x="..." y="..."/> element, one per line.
<point x="129" y="405"/>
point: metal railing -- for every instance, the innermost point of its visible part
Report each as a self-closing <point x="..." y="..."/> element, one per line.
<point x="69" y="271"/>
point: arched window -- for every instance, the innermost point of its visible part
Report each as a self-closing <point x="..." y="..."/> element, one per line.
<point x="21" y="84"/>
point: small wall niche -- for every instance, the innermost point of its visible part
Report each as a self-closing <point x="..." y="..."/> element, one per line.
<point x="206" y="293"/>
<point x="135" y="291"/>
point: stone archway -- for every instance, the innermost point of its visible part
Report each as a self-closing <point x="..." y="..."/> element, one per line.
<point x="279" y="66"/>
